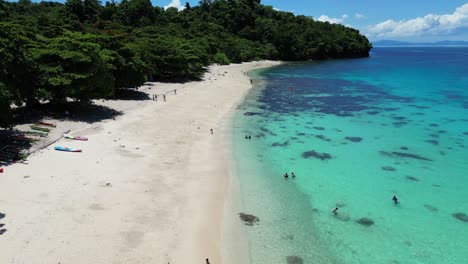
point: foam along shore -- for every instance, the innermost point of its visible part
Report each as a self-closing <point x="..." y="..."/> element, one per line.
<point x="149" y="186"/>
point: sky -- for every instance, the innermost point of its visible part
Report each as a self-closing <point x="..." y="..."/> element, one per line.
<point x="404" y="20"/>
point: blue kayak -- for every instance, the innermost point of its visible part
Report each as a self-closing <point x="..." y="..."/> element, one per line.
<point x="59" y="148"/>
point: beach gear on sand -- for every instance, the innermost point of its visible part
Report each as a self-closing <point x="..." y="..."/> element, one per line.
<point x="59" y="148"/>
<point x="38" y="128"/>
<point x="1" y="170"/>
<point x="75" y="137"/>
<point x="46" y="124"/>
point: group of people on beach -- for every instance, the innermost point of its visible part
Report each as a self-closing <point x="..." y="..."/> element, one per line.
<point x="394" y="199"/>
<point x="155" y="96"/>
<point x="286" y="175"/>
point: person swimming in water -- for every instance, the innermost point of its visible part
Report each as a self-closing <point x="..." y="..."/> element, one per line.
<point x="286" y="176"/>
<point x="293" y="175"/>
<point x="335" y="211"/>
<point x="395" y="200"/>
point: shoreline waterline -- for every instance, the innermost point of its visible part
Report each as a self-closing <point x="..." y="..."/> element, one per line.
<point x="339" y="129"/>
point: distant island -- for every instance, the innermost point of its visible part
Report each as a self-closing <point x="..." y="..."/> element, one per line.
<point x="394" y="43"/>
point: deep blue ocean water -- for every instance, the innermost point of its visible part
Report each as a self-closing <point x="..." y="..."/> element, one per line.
<point x="356" y="133"/>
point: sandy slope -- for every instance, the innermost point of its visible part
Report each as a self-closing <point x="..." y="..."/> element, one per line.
<point x="150" y="187"/>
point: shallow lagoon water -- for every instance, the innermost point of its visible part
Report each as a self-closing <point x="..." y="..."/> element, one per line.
<point x="356" y="133"/>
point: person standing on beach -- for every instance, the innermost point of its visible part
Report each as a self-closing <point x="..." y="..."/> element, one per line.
<point x="175" y="91"/>
<point x="207" y="261"/>
<point x="211" y="131"/>
<point x="164" y="97"/>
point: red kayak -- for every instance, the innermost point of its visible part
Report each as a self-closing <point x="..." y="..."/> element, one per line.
<point x="46" y="124"/>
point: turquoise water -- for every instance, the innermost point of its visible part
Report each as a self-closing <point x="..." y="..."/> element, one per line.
<point x="356" y="133"/>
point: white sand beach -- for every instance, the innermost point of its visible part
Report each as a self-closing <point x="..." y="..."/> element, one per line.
<point x="149" y="186"/>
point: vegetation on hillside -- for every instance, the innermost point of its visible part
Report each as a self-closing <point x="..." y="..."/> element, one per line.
<point x="82" y="50"/>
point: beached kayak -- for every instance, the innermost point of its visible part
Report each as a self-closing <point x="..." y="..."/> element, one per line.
<point x="59" y="148"/>
<point x="75" y="137"/>
<point x="46" y="124"/>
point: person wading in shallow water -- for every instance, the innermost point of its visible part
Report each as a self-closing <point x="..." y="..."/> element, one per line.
<point x="395" y="200"/>
<point x="335" y="211"/>
<point x="286" y="176"/>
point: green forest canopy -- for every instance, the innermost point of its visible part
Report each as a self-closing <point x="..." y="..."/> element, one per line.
<point x="82" y="50"/>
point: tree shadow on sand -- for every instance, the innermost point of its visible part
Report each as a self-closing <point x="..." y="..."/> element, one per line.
<point x="89" y="113"/>
<point x="13" y="146"/>
<point x="130" y="95"/>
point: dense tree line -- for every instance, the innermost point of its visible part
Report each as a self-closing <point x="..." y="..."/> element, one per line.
<point x="81" y="50"/>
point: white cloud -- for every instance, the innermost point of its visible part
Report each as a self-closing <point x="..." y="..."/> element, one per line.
<point x="430" y="24"/>
<point x="325" y="18"/>
<point x="359" y="16"/>
<point x="176" y="4"/>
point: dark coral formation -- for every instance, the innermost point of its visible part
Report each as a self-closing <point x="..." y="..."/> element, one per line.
<point x="388" y="168"/>
<point x="328" y="96"/>
<point x="465" y="133"/>
<point x="412" y="178"/>
<point x="404" y="148"/>
<point x="354" y="139"/>
<point x="249" y="219"/>
<point x="267" y="131"/>
<point x="322" y="137"/>
<point x="251" y="113"/>
<point x="365" y="221"/>
<point x="319" y="128"/>
<point x="433" y="142"/>
<point x="461" y="216"/>
<point x="280" y="144"/>
<point x="294" y="260"/>
<point x="418" y="106"/>
<point x="399" y="124"/>
<point x="317" y="155"/>
<point x="403" y="155"/>
<point x="431" y="208"/>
